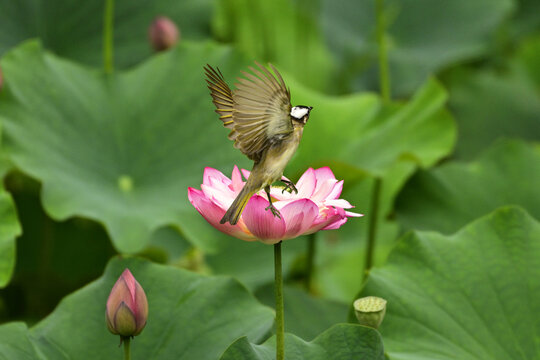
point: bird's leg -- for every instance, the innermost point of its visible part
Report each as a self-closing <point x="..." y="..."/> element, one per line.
<point x="289" y="186"/>
<point x="271" y="207"/>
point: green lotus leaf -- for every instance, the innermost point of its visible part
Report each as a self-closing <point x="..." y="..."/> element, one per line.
<point x="74" y="29"/>
<point x="489" y="106"/>
<point x="340" y="342"/>
<point x="345" y="130"/>
<point x="189" y="314"/>
<point x="122" y="149"/>
<point x="448" y="197"/>
<point x="469" y="296"/>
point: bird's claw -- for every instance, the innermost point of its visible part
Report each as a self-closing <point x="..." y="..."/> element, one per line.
<point x="275" y="211"/>
<point x="289" y="186"/>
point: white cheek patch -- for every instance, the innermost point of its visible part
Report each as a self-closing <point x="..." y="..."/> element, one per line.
<point x="298" y="112"/>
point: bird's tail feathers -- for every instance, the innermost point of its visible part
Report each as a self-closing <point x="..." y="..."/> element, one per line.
<point x="235" y="210"/>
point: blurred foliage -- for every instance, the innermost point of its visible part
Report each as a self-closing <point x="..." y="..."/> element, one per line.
<point x="9" y="230"/>
<point x="97" y="164"/>
<point x="287" y="34"/>
<point x="307" y="316"/>
<point x="73" y="29"/>
<point x="53" y="258"/>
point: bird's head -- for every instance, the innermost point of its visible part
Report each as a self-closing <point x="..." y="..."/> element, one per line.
<point x="300" y="113"/>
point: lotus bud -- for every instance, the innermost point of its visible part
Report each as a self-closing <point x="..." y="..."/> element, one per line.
<point x="163" y="33"/>
<point x="127" y="307"/>
<point x="370" y="311"/>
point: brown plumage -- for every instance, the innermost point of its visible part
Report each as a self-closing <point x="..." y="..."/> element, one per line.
<point x="262" y="126"/>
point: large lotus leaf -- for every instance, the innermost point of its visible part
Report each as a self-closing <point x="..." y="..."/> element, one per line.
<point x="74" y="29"/>
<point x="448" y="197"/>
<point x="488" y="105"/>
<point x="367" y="137"/>
<point x="424" y="36"/>
<point x="120" y="149"/>
<point x="306" y="316"/>
<point x="190" y="315"/>
<point x="341" y="342"/>
<point x="469" y="296"/>
<point x="280" y="31"/>
<point x="526" y="19"/>
<point x="15" y="342"/>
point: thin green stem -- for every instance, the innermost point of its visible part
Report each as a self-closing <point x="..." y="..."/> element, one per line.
<point x="384" y="80"/>
<point x="372" y="225"/>
<point x="310" y="261"/>
<point x="127" y="347"/>
<point x="280" y="326"/>
<point x="384" y="77"/>
<point x="108" y="36"/>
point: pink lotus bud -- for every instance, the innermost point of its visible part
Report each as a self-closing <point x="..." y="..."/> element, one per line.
<point x="127" y="307"/>
<point x="163" y="33"/>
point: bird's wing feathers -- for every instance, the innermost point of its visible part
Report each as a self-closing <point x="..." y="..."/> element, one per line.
<point x="262" y="104"/>
<point x="221" y="95"/>
<point x="257" y="111"/>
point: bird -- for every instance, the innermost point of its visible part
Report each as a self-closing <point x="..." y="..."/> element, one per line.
<point x="264" y="126"/>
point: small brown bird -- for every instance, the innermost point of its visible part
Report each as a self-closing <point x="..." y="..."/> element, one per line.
<point x="264" y="126"/>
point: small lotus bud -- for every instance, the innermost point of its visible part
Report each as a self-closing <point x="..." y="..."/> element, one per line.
<point x="370" y="311"/>
<point x="163" y="33"/>
<point x="127" y="307"/>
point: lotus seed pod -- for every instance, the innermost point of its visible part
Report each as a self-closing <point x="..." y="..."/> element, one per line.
<point x="370" y="311"/>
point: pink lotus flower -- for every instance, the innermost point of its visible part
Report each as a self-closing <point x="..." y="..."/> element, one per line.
<point x="316" y="206"/>
<point x="127" y="307"/>
<point x="163" y="33"/>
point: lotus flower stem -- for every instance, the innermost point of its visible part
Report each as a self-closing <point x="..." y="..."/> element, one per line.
<point x="108" y="36"/>
<point x="127" y="347"/>
<point x="372" y="225"/>
<point x="384" y="77"/>
<point x="310" y="261"/>
<point x="280" y="326"/>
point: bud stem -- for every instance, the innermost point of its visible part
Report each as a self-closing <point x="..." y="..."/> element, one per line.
<point x="280" y="327"/>
<point x="127" y="349"/>
<point x="108" y="36"/>
<point x="384" y="81"/>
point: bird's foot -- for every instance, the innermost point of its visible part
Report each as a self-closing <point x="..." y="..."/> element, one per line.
<point x="275" y="211"/>
<point x="289" y="186"/>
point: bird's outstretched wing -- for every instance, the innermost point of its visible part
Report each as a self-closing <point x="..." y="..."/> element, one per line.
<point x="221" y="95"/>
<point x="258" y="111"/>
